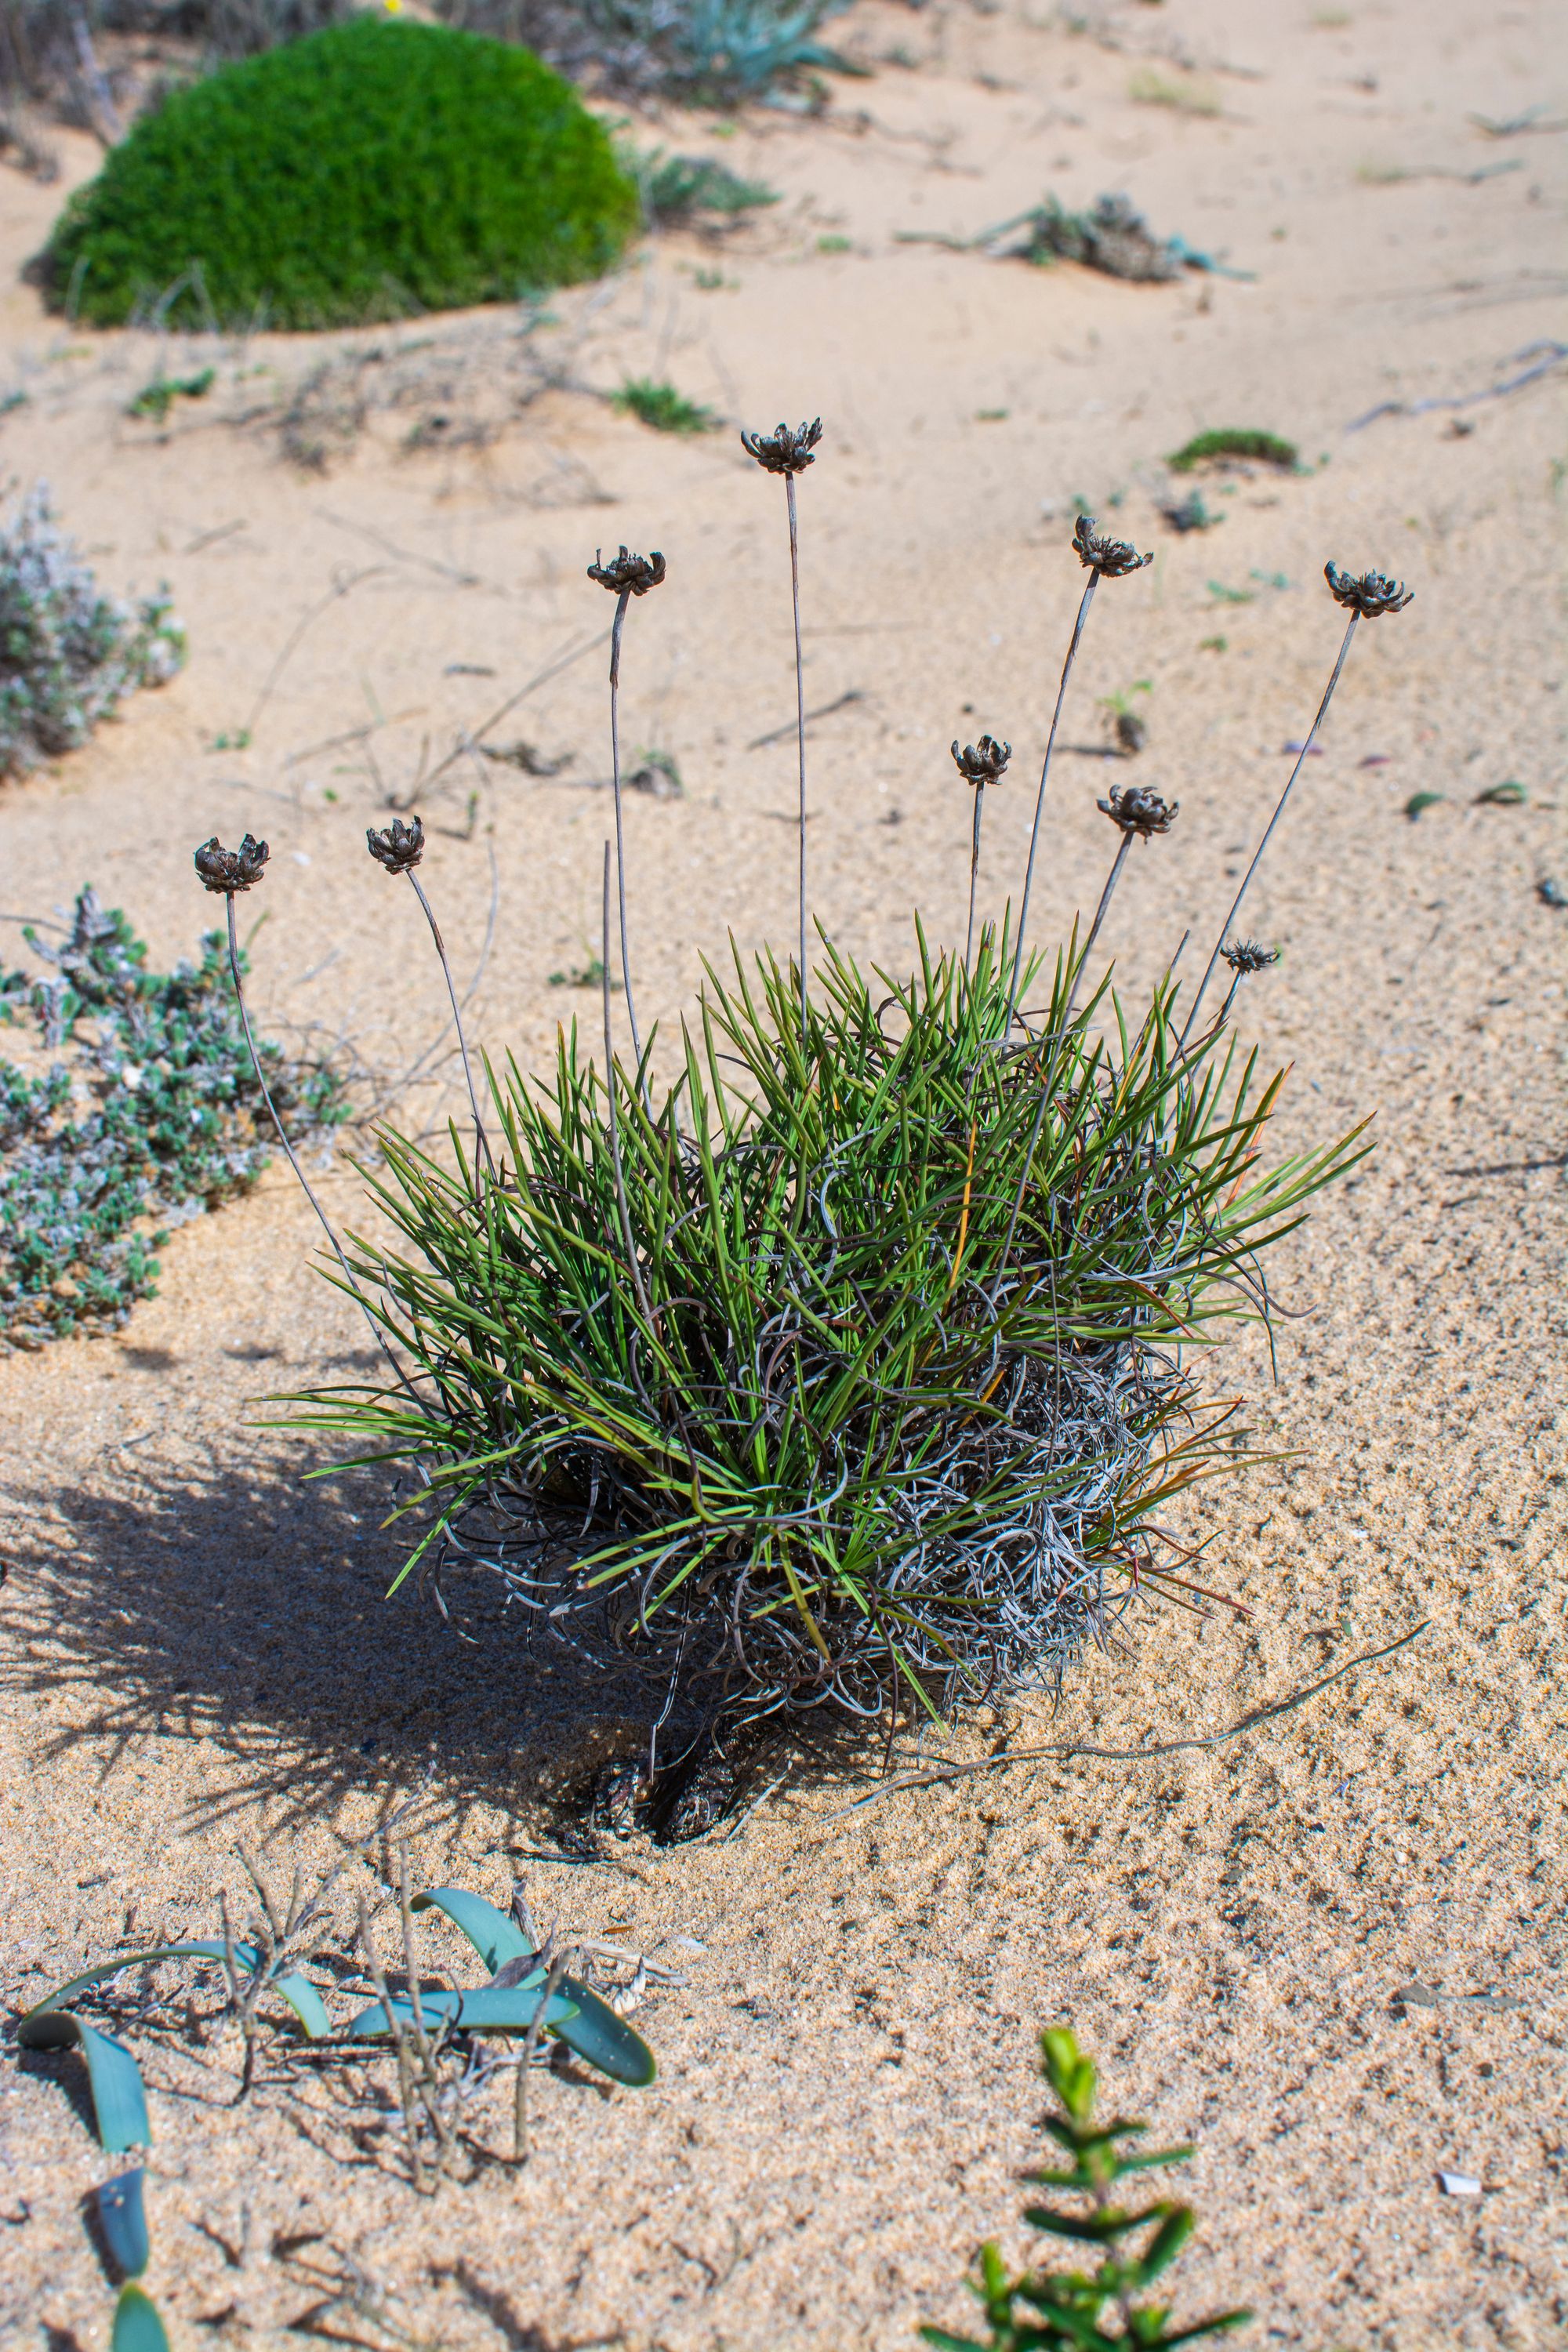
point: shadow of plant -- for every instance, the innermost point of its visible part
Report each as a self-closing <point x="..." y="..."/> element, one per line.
<point x="232" y="1602"/>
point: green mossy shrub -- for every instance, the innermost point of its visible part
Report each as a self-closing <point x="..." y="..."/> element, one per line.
<point x="367" y="172"/>
<point x="148" y="1112"/>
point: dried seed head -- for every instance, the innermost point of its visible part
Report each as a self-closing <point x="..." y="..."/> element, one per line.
<point x="1248" y="955"/>
<point x="1371" y="594"/>
<point x="1111" y="558"/>
<point x="983" y="763"/>
<point x="399" y="847"/>
<point x="627" y="573"/>
<point x="1137" y="811"/>
<point x="786" y="450"/>
<point x="225" y="871"/>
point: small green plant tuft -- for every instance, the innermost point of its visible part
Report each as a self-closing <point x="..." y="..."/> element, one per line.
<point x="1234" y="444"/>
<point x="155" y="399"/>
<point x="662" y="407"/>
<point x="1080" y="2311"/>
<point x="677" y="189"/>
<point x="370" y="170"/>
<point x="68" y="654"/>
<point x="152" y="1116"/>
<point x="1188" y="95"/>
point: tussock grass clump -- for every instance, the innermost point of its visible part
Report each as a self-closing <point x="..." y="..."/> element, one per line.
<point x="68" y="654"/>
<point x="847" y="1372"/>
<point x="370" y="170"/>
<point x="852" y="1365"/>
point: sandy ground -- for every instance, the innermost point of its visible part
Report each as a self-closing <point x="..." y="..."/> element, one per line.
<point x="1332" y="1951"/>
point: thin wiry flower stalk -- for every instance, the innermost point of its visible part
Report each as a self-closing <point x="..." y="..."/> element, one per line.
<point x="400" y="849"/>
<point x="626" y="575"/>
<point x="621" y="603"/>
<point x="290" y="1153"/>
<point x="1235" y="908"/>
<point x="979" y="764"/>
<point x="789" y="451"/>
<point x="613" y="1119"/>
<point x="800" y="723"/>
<point x="1108" y="559"/>
<point x="973" y="876"/>
<point x="1365" y="596"/>
<point x="1074" y="641"/>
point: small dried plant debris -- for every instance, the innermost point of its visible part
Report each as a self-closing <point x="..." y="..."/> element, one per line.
<point x="1079" y="2310"/>
<point x="1369" y="594"/>
<point x="982" y="764"/>
<point x="1112" y="236"/>
<point x="1110" y="558"/>
<point x="1139" y="810"/>
<point x="787" y="449"/>
<point x="225" y="871"/>
<point x="399" y="847"/>
<point x="68" y="654"/>
<point x="626" y="574"/>
<point x="1191" y="513"/>
<point x="147" y="1114"/>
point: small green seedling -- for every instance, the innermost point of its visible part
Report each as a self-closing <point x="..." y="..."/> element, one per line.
<point x="1214" y="644"/>
<point x="1067" y="2311"/>
<point x="1511" y="794"/>
<point x="1224" y="595"/>
<point x="1229" y="442"/>
<point x="590" y="973"/>
<point x="1419" y="802"/>
<point x="155" y="399"/>
<point x="835" y="245"/>
<point x="662" y="407"/>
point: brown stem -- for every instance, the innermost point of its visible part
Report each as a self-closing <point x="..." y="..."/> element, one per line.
<point x="481" y="1141"/>
<point x="1041" y="799"/>
<point x="1279" y="813"/>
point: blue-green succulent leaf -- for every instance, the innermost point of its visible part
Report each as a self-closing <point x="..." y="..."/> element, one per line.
<point x="119" y="2103"/>
<point x="137" y="2326"/>
<point x="122" y="2218"/>
<point x="496" y="1937"/>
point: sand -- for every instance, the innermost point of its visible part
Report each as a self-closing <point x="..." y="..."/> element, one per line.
<point x="1332" y="1950"/>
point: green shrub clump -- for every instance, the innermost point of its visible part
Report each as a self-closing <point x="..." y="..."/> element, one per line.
<point x="368" y="171"/>
<point x="69" y="654"/>
<point x="1241" y="443"/>
<point x="154" y="1115"/>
